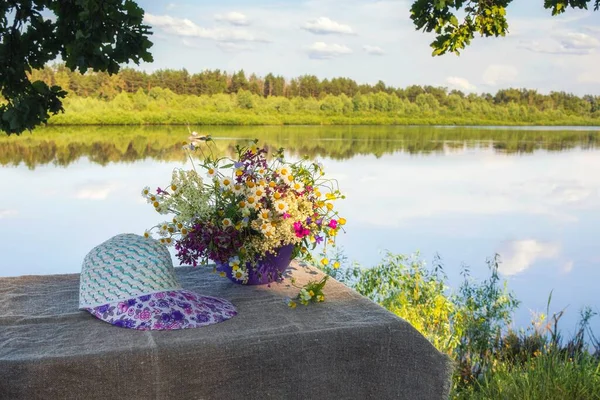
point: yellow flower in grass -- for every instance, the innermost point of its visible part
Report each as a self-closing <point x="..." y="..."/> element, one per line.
<point x="329" y="206"/>
<point x="324" y="261"/>
<point x="239" y="172"/>
<point x="336" y="265"/>
<point x="341" y="221"/>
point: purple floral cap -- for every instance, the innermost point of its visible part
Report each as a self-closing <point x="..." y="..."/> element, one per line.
<point x="129" y="281"/>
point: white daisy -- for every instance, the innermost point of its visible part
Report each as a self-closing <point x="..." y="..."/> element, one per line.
<point x="212" y="173"/>
<point x="240" y="274"/>
<point x="264" y="214"/>
<point x="259" y="192"/>
<point x="237" y="188"/>
<point x="227" y="222"/>
<point x="281" y="206"/>
<point x="283" y="171"/>
<point x="298" y="186"/>
<point x="226" y="182"/>
<point x="252" y="202"/>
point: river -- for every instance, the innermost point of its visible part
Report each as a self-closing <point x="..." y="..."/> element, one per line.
<point x="531" y="195"/>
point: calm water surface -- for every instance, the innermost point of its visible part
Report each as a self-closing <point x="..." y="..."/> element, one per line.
<point x="530" y="195"/>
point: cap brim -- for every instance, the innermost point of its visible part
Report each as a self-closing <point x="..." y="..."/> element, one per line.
<point x="170" y="310"/>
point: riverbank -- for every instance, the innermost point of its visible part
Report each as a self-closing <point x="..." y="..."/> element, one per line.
<point x="163" y="107"/>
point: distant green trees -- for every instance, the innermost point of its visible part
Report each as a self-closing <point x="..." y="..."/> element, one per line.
<point x="334" y="96"/>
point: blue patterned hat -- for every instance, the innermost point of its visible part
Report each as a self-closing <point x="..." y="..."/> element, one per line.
<point x="129" y="281"/>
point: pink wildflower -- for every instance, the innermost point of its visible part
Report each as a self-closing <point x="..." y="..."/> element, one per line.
<point x="333" y="224"/>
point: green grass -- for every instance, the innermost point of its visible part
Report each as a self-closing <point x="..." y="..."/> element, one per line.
<point x="549" y="376"/>
<point x="163" y="107"/>
<point x="472" y="324"/>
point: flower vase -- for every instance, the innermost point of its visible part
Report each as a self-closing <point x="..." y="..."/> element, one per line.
<point x="268" y="269"/>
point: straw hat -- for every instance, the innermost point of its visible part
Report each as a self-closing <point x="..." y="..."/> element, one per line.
<point x="129" y="281"/>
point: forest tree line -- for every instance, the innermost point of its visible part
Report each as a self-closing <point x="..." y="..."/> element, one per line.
<point x="213" y="82"/>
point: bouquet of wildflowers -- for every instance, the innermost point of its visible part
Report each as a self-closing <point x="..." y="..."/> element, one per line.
<point x="237" y="210"/>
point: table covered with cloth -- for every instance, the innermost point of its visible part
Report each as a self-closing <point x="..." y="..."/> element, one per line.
<point x="345" y="348"/>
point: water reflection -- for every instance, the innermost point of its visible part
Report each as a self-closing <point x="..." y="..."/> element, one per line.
<point x="102" y="145"/>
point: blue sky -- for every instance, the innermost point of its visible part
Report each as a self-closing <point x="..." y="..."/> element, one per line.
<point x="374" y="40"/>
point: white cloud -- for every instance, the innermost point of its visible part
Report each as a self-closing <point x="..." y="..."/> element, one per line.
<point x="578" y="41"/>
<point x="171" y="6"/>
<point x="461" y="84"/>
<point x="324" y="26"/>
<point x="517" y="256"/>
<point x="186" y="28"/>
<point x="8" y="213"/>
<point x="95" y="190"/>
<point x="322" y="50"/>
<point x="500" y="74"/>
<point x="563" y="42"/>
<point x="234" y="18"/>
<point x="373" y="50"/>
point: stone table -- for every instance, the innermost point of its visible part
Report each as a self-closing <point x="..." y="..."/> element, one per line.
<point x="345" y="348"/>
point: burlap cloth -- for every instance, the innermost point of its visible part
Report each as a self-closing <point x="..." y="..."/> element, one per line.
<point x="345" y="348"/>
